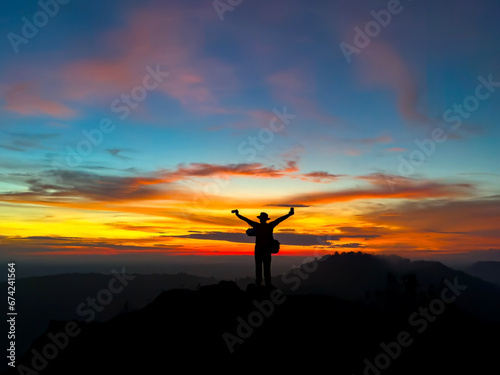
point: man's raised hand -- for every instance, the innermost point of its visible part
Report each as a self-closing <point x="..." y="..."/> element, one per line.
<point x="291" y="211"/>
<point x="235" y="212"/>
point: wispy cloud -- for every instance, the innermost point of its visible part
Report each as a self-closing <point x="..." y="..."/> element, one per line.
<point x="321" y="177"/>
<point x="169" y="34"/>
<point x="254" y="170"/>
<point x="380" y="65"/>
<point x="23" y="141"/>
<point x="26" y="99"/>
<point x="117" y="152"/>
<point x="160" y="184"/>
<point x="411" y="189"/>
<point x="296" y="87"/>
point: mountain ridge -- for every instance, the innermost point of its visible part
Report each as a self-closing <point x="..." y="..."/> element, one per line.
<point x="222" y="327"/>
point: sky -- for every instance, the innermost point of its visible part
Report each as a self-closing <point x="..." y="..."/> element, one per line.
<point x="130" y="130"/>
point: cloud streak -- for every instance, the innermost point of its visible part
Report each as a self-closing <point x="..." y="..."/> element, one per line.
<point x="381" y="65"/>
<point x="27" y="100"/>
<point x="291" y="239"/>
<point x="161" y="184"/>
<point x="411" y="189"/>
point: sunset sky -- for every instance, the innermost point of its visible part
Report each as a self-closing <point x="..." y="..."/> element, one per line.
<point x="133" y="128"/>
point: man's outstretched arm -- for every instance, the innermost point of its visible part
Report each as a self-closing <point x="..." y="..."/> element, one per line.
<point x="250" y="222"/>
<point x="280" y="219"/>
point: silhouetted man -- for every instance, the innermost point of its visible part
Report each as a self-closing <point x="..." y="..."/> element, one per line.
<point x="263" y="243"/>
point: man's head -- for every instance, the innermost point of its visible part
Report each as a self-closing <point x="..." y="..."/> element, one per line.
<point x="263" y="217"/>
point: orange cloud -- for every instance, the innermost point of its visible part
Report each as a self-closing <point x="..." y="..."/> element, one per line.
<point x="442" y="225"/>
<point x="409" y="190"/>
<point x="320" y="177"/>
<point x="254" y="170"/>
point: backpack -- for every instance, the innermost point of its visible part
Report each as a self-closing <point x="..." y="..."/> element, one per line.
<point x="275" y="247"/>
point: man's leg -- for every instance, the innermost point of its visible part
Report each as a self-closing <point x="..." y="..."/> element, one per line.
<point x="258" y="268"/>
<point x="267" y="268"/>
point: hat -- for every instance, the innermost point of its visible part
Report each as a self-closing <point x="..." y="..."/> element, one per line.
<point x="263" y="215"/>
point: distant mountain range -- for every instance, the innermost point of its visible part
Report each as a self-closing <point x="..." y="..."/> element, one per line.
<point x="337" y="310"/>
<point x="377" y="280"/>
<point x="488" y="271"/>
